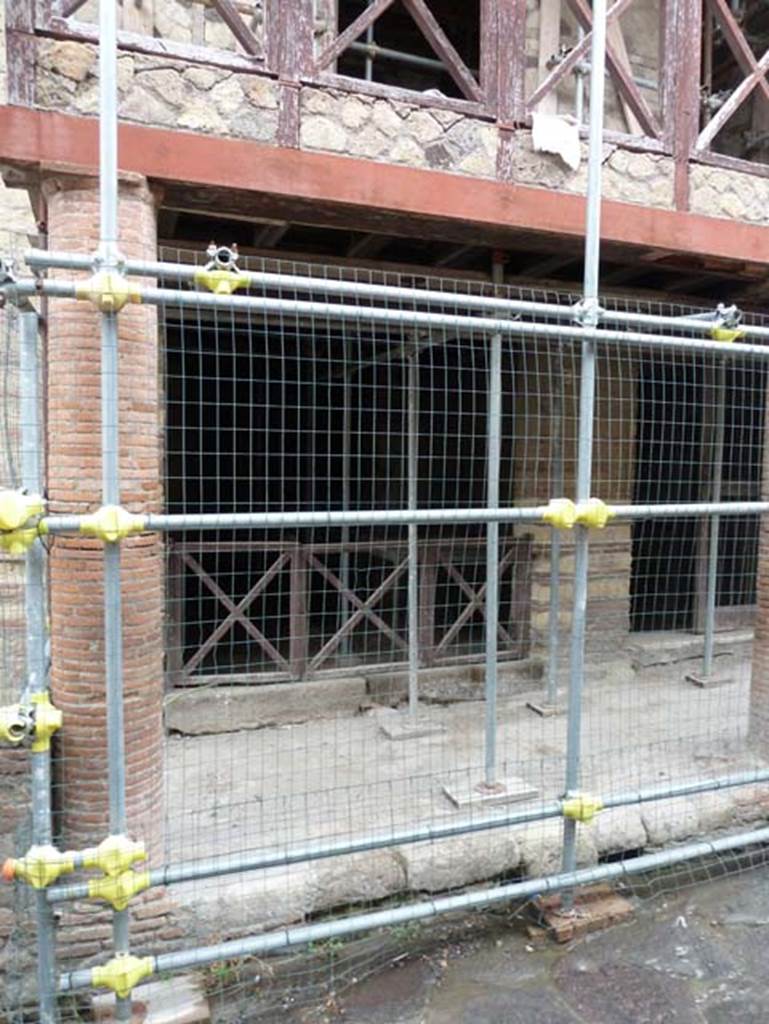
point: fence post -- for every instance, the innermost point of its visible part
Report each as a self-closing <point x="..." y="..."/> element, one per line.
<point x="37" y="667"/>
<point x="586" y="412"/>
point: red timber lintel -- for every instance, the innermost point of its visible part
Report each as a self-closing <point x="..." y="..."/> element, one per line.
<point x="49" y="140"/>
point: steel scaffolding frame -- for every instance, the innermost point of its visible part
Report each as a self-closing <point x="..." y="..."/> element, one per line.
<point x="495" y="318"/>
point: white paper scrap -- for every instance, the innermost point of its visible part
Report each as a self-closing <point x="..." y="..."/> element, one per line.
<point x="559" y="135"/>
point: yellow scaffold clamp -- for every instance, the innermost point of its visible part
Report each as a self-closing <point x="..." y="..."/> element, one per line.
<point x="112" y="523"/>
<point x="221" y="275"/>
<point x="18" y="507"/>
<point x="561" y="513"/>
<point x="727" y="325"/>
<point x="114" y="855"/>
<point x="46" y="720"/>
<point x="15" y="724"/>
<point x="594" y="513"/>
<point x="39" y="867"/>
<point x="581" y="807"/>
<point x="123" y="973"/>
<point x="18" y="542"/>
<point x="119" y="890"/>
<point x="108" y="290"/>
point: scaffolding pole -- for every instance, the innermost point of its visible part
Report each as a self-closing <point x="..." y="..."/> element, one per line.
<point x="217" y="867"/>
<point x="715" y="523"/>
<point x="493" y="451"/>
<point x="554" y="609"/>
<point x="299" y="935"/>
<point x="586" y="412"/>
<point x="413" y="531"/>
<point x="406" y="298"/>
<point x="37" y="661"/>
<point x="108" y="259"/>
<point x="405" y="318"/>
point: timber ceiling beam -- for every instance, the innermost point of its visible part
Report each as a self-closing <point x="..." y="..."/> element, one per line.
<point x="399" y="198"/>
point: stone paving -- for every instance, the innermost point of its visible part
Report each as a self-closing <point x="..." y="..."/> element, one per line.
<point x="695" y="957"/>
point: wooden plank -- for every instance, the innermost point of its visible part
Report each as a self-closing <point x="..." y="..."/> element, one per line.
<point x="288" y="115"/>
<point x="428" y="581"/>
<point x="132" y="42"/>
<point x="616" y="39"/>
<point x="476" y="603"/>
<point x="442" y="46"/>
<point x="520" y="596"/>
<point x="174" y="618"/>
<point x="573" y="57"/>
<point x="20" y="16"/>
<point x="364" y="609"/>
<point x="351" y="33"/>
<point x="236" y="613"/>
<point x="682" y="100"/>
<point x="394" y="92"/>
<point x="20" y="51"/>
<point x="465" y="587"/>
<point x="735" y="101"/>
<point x="622" y="79"/>
<point x="489" y="52"/>
<point x="548" y="41"/>
<point x="511" y="70"/>
<point x="69" y="7"/>
<point x="232" y="19"/>
<point x="736" y="41"/>
<point x="299" y="640"/>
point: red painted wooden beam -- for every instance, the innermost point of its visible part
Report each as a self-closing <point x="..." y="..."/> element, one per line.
<point x="59" y="141"/>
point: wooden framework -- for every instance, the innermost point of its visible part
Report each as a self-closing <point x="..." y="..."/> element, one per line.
<point x="285" y="51"/>
<point x="301" y="561"/>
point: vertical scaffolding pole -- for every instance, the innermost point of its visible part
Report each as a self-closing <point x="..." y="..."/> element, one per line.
<point x="344" y="558"/>
<point x="113" y="639"/>
<point x="715" y="523"/>
<point x="413" y="531"/>
<point x="554" y="611"/>
<point x="37" y="666"/>
<point x="493" y="447"/>
<point x="586" y="409"/>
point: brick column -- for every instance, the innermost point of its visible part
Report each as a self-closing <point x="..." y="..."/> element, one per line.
<point x="74" y="486"/>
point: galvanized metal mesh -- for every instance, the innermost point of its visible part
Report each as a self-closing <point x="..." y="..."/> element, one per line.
<point x="292" y="651"/>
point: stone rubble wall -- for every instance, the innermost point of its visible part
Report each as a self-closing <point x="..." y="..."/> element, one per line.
<point x="170" y="93"/>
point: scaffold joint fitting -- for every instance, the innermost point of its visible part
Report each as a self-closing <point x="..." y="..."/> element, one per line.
<point x="15" y="724"/>
<point x="18" y="507"/>
<point x="46" y="719"/>
<point x="108" y="291"/>
<point x="119" y="890"/>
<point x="588" y="312"/>
<point x="581" y="807"/>
<point x="594" y="513"/>
<point x="561" y="513"/>
<point x="122" y="973"/>
<point x="114" y="855"/>
<point x="39" y="867"/>
<point x="112" y="523"/>
<point x="221" y="282"/>
<point x="18" y="542"/>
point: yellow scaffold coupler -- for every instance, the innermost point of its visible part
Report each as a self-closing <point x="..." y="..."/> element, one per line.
<point x="47" y="720"/>
<point x="114" y="855"/>
<point x="581" y="807"/>
<point x="39" y="867"/>
<point x="108" y="291"/>
<point x="122" y="973"/>
<point x="18" y="507"/>
<point x="561" y="513"/>
<point x="112" y="523"/>
<point x="119" y="890"/>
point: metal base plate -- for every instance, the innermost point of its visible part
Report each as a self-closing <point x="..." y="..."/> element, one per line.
<point x="400" y="725"/>
<point x="510" y="790"/>
<point x="714" y="679"/>
<point x="543" y="709"/>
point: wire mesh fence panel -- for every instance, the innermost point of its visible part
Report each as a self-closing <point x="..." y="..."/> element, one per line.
<point x="335" y="742"/>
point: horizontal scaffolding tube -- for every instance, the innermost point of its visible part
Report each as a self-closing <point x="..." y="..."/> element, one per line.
<point x="40" y="259"/>
<point x="400" y="517"/>
<point x="403" y="318"/>
<point x="299" y="935"/>
<point x="218" y="866"/>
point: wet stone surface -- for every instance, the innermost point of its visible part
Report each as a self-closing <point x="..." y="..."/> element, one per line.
<point x="694" y="957"/>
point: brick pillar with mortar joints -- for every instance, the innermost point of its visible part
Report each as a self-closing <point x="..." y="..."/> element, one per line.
<point x="76" y="563"/>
